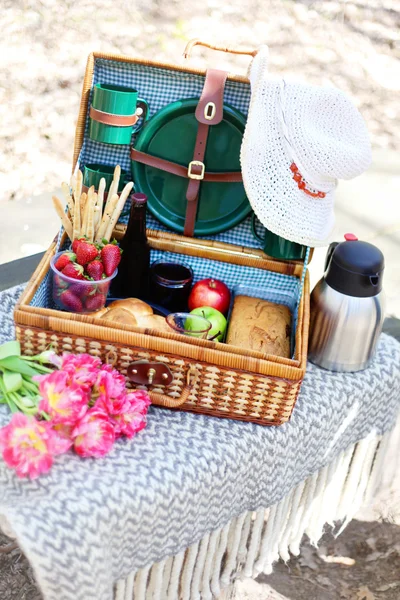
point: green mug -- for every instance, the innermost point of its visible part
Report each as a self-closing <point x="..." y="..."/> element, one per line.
<point x="276" y="246"/>
<point x="113" y="113"/>
<point x="94" y="172"/>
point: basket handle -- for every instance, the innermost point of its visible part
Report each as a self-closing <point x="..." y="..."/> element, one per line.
<point x="197" y="42"/>
<point x="169" y="402"/>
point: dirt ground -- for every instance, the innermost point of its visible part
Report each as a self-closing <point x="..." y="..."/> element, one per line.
<point x="44" y="44"/>
<point x="354" y="45"/>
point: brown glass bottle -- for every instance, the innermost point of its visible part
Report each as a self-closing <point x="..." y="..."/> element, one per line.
<point x="132" y="280"/>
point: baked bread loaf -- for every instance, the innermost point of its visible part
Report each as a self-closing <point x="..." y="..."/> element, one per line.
<point x="260" y="325"/>
<point x="132" y="311"/>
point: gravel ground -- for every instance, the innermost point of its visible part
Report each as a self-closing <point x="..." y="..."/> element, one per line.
<point x="44" y="44"/>
<point x="351" y="44"/>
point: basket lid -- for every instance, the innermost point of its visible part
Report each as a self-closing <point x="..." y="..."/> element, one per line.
<point x="224" y="213"/>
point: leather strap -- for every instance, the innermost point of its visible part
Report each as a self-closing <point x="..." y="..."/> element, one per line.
<point x="180" y="171"/>
<point x="209" y="111"/>
<point x="110" y="119"/>
<point x="192" y="192"/>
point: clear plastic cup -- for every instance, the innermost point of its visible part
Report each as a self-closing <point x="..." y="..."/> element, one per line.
<point x="188" y="324"/>
<point x="79" y="295"/>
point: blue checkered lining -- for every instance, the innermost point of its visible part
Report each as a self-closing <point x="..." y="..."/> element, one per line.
<point x="282" y="289"/>
<point x="160" y="87"/>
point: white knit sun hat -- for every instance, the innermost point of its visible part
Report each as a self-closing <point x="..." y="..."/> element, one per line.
<point x="299" y="140"/>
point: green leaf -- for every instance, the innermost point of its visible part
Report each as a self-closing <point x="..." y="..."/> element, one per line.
<point x="12" y="381"/>
<point x="17" y="365"/>
<point x="23" y="404"/>
<point x="10" y="349"/>
<point x="12" y="406"/>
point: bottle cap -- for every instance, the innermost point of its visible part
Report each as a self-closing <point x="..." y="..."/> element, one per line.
<point x="139" y="198"/>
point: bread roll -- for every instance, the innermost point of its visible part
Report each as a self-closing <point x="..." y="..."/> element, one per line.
<point x="259" y="325"/>
<point x="118" y="314"/>
<point x="135" y="306"/>
<point x="99" y="313"/>
<point x="132" y="311"/>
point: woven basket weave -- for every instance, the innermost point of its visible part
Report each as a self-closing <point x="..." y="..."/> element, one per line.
<point x="208" y="377"/>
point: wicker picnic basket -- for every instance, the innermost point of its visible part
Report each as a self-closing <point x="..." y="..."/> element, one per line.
<point x="208" y="377"/>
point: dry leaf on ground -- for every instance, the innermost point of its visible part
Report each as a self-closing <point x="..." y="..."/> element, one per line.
<point x="325" y="581"/>
<point x="339" y="560"/>
<point x="388" y="586"/>
<point x="307" y="558"/>
<point x="364" y="593"/>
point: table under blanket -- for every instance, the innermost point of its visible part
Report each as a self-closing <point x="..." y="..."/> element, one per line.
<point x="170" y="513"/>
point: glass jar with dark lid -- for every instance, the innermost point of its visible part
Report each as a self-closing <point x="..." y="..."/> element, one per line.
<point x="170" y="284"/>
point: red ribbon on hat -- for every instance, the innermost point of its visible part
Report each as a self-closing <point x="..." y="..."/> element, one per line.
<point x="302" y="184"/>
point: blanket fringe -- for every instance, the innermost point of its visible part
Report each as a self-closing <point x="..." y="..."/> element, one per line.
<point x="251" y="543"/>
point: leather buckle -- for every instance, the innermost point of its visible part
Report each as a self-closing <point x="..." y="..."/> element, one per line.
<point x="196" y="163"/>
<point x="209" y="111"/>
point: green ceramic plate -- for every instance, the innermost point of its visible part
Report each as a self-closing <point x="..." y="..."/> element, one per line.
<point x="171" y="134"/>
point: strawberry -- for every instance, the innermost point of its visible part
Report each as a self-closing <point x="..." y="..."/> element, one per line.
<point x="86" y="252"/>
<point x="95" y="269"/>
<point x="73" y="270"/>
<point x="76" y="243"/>
<point x="111" y="257"/>
<point x="95" y="302"/>
<point x="65" y="259"/>
<point x="71" y="302"/>
<point x="59" y="282"/>
<point x="80" y="289"/>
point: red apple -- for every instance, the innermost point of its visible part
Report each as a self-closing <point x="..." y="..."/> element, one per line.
<point x="210" y="292"/>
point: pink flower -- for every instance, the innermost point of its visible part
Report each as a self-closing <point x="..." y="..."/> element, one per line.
<point x="83" y="369"/>
<point x="109" y="385"/>
<point x="62" y="438"/>
<point x="129" y="423"/>
<point x="140" y="398"/>
<point x="62" y="401"/>
<point x="27" y="445"/>
<point x="94" y="434"/>
<point x="112" y="406"/>
<point x="132" y="420"/>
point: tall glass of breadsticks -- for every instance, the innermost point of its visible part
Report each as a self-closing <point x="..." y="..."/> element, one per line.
<point x="82" y="276"/>
<point x="86" y="217"/>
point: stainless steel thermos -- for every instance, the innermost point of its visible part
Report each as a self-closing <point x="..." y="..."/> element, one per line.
<point x="347" y="307"/>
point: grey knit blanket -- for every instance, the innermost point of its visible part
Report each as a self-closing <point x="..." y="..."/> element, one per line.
<point x="89" y="522"/>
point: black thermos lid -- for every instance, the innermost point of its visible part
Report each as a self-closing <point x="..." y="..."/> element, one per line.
<point x="355" y="268"/>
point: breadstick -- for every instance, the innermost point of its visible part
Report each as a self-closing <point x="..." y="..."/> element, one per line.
<point x="118" y="210"/>
<point x="114" y="184"/>
<point x="86" y="209"/>
<point x="72" y="184"/>
<point x="78" y="188"/>
<point x="58" y="205"/>
<point x="100" y="194"/>
<point x="82" y="206"/>
<point x="70" y="202"/>
<point x="97" y="220"/>
<point x="90" y="219"/>
<point x="77" y="221"/>
<point x="110" y="207"/>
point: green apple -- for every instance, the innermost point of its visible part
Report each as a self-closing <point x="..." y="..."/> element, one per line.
<point x="217" y="320"/>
